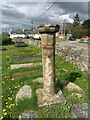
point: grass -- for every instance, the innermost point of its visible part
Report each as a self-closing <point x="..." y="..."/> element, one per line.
<point x="13" y="80"/>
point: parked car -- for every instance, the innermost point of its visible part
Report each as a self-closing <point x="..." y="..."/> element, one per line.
<point x="72" y="38"/>
<point x="85" y="37"/>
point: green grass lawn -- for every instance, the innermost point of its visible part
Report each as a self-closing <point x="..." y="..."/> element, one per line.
<point x="13" y="80"/>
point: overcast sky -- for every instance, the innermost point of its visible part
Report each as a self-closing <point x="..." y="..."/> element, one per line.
<point x="17" y="15"/>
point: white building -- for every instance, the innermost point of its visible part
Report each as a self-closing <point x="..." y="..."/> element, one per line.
<point x="19" y="33"/>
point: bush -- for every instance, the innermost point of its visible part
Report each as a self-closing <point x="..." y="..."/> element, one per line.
<point x="5" y="38"/>
<point x="79" y="33"/>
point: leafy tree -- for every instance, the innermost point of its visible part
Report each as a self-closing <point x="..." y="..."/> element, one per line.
<point x="86" y="25"/>
<point x="78" y="31"/>
<point x="76" y="20"/>
<point x="5" y="38"/>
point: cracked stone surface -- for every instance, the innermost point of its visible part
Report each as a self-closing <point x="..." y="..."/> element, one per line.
<point x="24" y="92"/>
<point x="46" y="99"/>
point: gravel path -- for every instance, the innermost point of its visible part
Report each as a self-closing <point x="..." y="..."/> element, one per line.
<point x="73" y="43"/>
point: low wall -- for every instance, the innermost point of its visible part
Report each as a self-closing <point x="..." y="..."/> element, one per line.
<point x="75" y="55"/>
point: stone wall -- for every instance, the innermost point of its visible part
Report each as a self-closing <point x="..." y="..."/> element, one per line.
<point x="75" y="55"/>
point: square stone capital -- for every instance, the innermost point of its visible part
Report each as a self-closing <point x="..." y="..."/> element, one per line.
<point x="48" y="28"/>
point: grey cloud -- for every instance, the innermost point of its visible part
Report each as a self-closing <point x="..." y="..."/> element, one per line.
<point x="12" y="14"/>
<point x="19" y="12"/>
<point x="70" y="7"/>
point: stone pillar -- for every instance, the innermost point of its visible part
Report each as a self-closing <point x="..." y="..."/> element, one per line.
<point x="47" y="95"/>
<point x="48" y="56"/>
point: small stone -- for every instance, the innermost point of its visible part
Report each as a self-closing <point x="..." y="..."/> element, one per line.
<point x="27" y="115"/>
<point x="40" y="80"/>
<point x="24" y="92"/>
<point x="73" y="86"/>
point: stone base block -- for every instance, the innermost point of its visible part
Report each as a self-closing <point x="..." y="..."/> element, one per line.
<point x="46" y="99"/>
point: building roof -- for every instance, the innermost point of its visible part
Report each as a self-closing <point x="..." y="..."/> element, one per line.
<point x="24" y="31"/>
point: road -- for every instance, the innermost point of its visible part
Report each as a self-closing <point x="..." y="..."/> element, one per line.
<point x="74" y="43"/>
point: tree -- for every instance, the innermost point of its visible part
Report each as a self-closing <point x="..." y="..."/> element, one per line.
<point x="78" y="31"/>
<point x="86" y="25"/>
<point x="5" y="37"/>
<point x="76" y="20"/>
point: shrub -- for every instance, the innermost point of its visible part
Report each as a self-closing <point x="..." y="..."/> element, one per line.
<point x="79" y="33"/>
<point x="5" y="38"/>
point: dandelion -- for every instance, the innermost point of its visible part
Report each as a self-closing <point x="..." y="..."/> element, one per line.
<point x="12" y="105"/>
<point x="4" y="110"/>
<point x="6" y="103"/>
<point x="9" y="106"/>
<point x="5" y="113"/>
<point x="6" y="106"/>
<point x="1" y="118"/>
<point x="10" y="98"/>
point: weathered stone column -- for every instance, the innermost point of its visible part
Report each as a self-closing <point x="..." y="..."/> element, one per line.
<point x="47" y="95"/>
<point x="48" y="56"/>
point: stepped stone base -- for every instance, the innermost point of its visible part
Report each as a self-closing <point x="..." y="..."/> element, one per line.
<point x="45" y="99"/>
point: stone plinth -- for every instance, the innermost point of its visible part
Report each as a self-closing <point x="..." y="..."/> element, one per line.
<point x="46" y="99"/>
<point x="47" y="95"/>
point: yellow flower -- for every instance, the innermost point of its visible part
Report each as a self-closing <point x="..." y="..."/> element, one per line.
<point x="6" y="106"/>
<point x="4" y="110"/>
<point x="5" y="113"/>
<point x="6" y="102"/>
<point x="9" y="106"/>
<point x="12" y="105"/>
<point x="1" y="118"/>
<point x="10" y="98"/>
